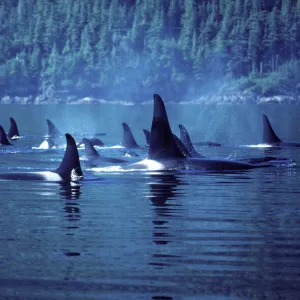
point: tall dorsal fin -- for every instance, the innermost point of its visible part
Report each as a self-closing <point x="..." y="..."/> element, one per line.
<point x="162" y="143"/>
<point x="13" y="130"/>
<point x="70" y="165"/>
<point x="89" y="148"/>
<point x="3" y="137"/>
<point x="128" y="138"/>
<point x="269" y="135"/>
<point x="186" y="140"/>
<point x="147" y="136"/>
<point x="52" y="130"/>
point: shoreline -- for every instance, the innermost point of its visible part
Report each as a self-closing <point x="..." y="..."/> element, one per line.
<point x="218" y="99"/>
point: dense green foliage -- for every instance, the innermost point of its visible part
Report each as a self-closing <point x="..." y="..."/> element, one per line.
<point x="128" y="49"/>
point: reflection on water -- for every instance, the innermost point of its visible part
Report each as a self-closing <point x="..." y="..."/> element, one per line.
<point x="164" y="189"/>
<point x="160" y="236"/>
<point x="70" y="194"/>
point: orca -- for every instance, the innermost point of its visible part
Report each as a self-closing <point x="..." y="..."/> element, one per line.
<point x="164" y="153"/>
<point x="13" y="130"/>
<point x="3" y="138"/>
<point x="94" y="156"/>
<point x="48" y="143"/>
<point x="53" y="132"/>
<point x="147" y="136"/>
<point x="128" y="138"/>
<point x="271" y="138"/>
<point x="68" y="171"/>
<point x="93" y="141"/>
<point x="211" y="144"/>
<point x="185" y="138"/>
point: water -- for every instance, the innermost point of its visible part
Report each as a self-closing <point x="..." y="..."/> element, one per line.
<point x="151" y="235"/>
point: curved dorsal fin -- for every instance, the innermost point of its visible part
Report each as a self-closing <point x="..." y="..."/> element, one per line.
<point x="269" y="135"/>
<point x="162" y="143"/>
<point x="3" y="137"/>
<point x="186" y="140"/>
<point x="70" y="163"/>
<point x="89" y="148"/>
<point x="128" y="138"/>
<point x="147" y="136"/>
<point x="52" y="130"/>
<point x="181" y="146"/>
<point x="13" y="130"/>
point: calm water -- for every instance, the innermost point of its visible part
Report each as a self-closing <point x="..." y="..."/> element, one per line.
<point x="136" y="235"/>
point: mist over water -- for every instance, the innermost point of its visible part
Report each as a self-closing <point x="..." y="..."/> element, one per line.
<point x="229" y="124"/>
<point x="151" y="235"/>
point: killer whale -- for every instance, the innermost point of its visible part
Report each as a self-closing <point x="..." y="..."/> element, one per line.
<point x="53" y="132"/>
<point x="13" y="132"/>
<point x="69" y="169"/>
<point x="165" y="153"/>
<point x="128" y="140"/>
<point x="3" y="138"/>
<point x="185" y="138"/>
<point x="52" y="138"/>
<point x="93" y="141"/>
<point x="271" y="138"/>
<point x="94" y="156"/>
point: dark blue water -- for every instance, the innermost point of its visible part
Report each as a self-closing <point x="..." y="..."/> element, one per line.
<point x="151" y="235"/>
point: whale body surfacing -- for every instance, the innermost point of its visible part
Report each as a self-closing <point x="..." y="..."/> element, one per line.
<point x="166" y="149"/>
<point x="69" y="169"/>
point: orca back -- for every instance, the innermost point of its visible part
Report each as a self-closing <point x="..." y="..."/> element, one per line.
<point x="13" y="130"/>
<point x="269" y="135"/>
<point x="162" y="143"/>
<point x="70" y="162"/>
<point x="90" y="151"/>
<point x="52" y="130"/>
<point x="147" y="136"/>
<point x="186" y="140"/>
<point x="128" y="138"/>
<point x="3" y="137"/>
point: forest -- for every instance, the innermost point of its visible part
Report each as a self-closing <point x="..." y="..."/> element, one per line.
<point x="130" y="49"/>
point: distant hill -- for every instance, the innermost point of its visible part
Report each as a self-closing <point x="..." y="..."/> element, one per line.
<point x="125" y="50"/>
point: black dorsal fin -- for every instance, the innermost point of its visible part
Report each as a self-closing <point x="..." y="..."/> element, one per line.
<point x="162" y="143"/>
<point x="3" y="137"/>
<point x="186" y="140"/>
<point x="13" y="130"/>
<point x="128" y="138"/>
<point x="89" y="148"/>
<point x="70" y="165"/>
<point x="269" y="135"/>
<point x="52" y="130"/>
<point x="181" y="146"/>
<point x="147" y="136"/>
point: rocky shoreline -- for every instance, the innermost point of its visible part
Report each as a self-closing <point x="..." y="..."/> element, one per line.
<point x="234" y="98"/>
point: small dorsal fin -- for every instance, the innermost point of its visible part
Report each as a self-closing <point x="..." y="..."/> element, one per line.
<point x="3" y="137"/>
<point x="162" y="143"/>
<point x="70" y="164"/>
<point x="128" y="138"/>
<point x="181" y="146"/>
<point x="52" y="130"/>
<point x="89" y="148"/>
<point x="13" y="130"/>
<point x="186" y="140"/>
<point x="96" y="142"/>
<point x="269" y="135"/>
<point x="147" y="136"/>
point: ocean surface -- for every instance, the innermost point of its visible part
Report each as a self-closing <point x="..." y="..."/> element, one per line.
<point x="151" y="235"/>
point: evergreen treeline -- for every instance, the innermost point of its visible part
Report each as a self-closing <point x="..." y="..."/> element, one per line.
<point x="129" y="49"/>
